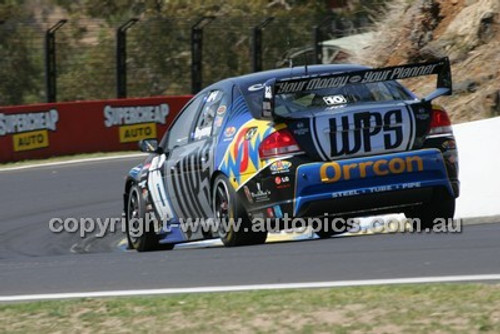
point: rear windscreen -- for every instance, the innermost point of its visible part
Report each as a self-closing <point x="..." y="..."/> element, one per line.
<point x="286" y="104"/>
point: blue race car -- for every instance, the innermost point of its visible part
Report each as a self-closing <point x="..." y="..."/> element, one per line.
<point x="324" y="141"/>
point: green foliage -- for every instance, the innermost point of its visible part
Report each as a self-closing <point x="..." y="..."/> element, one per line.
<point x="158" y="47"/>
<point x="18" y="65"/>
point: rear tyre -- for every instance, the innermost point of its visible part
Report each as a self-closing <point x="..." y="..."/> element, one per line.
<point x="139" y="237"/>
<point x="235" y="228"/>
<point x="441" y="206"/>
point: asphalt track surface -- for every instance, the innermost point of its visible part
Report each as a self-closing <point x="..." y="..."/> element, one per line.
<point x="34" y="260"/>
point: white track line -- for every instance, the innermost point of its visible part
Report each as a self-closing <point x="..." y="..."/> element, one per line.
<point x="278" y="286"/>
<point x="71" y="162"/>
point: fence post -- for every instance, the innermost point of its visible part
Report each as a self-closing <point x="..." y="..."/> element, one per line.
<point x="121" y="58"/>
<point x="50" y="61"/>
<point x="318" y="39"/>
<point x="196" y="53"/>
<point x="257" y="44"/>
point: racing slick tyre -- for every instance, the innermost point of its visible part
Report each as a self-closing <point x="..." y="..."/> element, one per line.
<point x="139" y="237"/>
<point x="442" y="206"/>
<point x="234" y="226"/>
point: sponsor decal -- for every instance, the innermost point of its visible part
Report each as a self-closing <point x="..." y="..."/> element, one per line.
<point x="230" y="131"/>
<point x="311" y="84"/>
<point x="379" y="189"/>
<point x="332" y="172"/>
<point x="250" y="133"/>
<point x="282" y="182"/>
<point x="367" y="131"/>
<point x="255" y="87"/>
<point x="134" y="133"/>
<point x="270" y="212"/>
<point x="398" y="73"/>
<point x="355" y="79"/>
<point x="29" y="131"/>
<point x="218" y="121"/>
<point x="136" y="122"/>
<point x="369" y="76"/>
<point x="281" y="166"/>
<point x="277" y="211"/>
<point x="422" y="114"/>
<point x="221" y="110"/>
<point x="301" y="129"/>
<point x="260" y="195"/>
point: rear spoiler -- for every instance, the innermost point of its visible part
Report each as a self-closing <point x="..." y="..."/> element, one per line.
<point x="275" y="87"/>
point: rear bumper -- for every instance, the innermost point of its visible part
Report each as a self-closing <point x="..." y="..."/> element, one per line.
<point x="382" y="183"/>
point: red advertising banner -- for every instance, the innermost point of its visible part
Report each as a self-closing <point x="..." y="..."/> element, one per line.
<point x="53" y="129"/>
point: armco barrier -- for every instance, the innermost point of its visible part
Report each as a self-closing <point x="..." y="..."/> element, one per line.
<point x="46" y="130"/>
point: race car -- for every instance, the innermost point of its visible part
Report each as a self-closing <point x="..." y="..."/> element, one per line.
<point x="327" y="141"/>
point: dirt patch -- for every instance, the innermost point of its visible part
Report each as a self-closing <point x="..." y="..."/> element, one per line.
<point x="468" y="32"/>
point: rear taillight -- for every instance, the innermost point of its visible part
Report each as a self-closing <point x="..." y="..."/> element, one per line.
<point x="440" y="122"/>
<point x="278" y="143"/>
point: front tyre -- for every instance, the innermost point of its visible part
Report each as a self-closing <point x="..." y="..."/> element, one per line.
<point x="235" y="228"/>
<point x="140" y="237"/>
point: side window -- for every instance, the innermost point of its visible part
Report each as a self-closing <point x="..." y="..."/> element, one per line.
<point x="180" y="131"/>
<point x="209" y="112"/>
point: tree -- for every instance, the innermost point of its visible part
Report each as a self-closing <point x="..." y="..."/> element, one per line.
<point x="19" y="67"/>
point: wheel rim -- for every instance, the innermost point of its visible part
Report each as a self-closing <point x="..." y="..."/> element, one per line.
<point x="133" y="216"/>
<point x="221" y="208"/>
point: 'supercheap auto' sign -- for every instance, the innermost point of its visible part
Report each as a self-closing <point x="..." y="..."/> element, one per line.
<point x="136" y="122"/>
<point x="29" y="130"/>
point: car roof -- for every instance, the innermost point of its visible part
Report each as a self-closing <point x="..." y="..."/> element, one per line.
<point x="247" y="80"/>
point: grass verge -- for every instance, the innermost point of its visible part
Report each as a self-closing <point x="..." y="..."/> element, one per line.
<point x="443" y="308"/>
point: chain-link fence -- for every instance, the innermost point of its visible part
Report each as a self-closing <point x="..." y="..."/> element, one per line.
<point x="158" y="54"/>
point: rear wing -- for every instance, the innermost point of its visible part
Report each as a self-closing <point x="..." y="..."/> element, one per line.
<point x="275" y="87"/>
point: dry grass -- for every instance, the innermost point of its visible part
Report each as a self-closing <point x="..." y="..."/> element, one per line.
<point x="436" y="308"/>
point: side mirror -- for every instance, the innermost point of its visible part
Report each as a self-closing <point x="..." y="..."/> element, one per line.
<point x="150" y="146"/>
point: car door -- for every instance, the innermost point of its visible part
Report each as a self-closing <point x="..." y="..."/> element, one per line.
<point x="190" y="162"/>
<point x="165" y="197"/>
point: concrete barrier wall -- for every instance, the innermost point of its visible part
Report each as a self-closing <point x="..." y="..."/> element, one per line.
<point x="53" y="129"/>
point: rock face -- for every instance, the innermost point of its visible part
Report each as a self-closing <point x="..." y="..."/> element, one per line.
<point x="466" y="31"/>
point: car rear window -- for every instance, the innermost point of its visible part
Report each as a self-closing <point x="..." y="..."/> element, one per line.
<point x="285" y="104"/>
